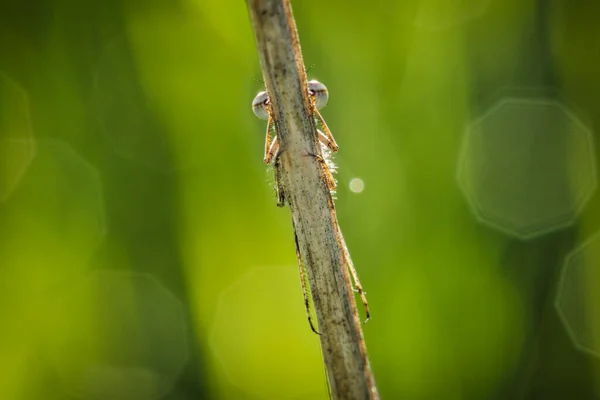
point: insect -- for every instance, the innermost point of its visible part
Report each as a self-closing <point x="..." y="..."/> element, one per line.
<point x="319" y="95"/>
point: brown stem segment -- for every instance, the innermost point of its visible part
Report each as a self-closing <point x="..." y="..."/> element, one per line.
<point x="307" y="193"/>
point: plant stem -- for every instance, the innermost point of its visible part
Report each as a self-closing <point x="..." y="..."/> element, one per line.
<point x="314" y="219"/>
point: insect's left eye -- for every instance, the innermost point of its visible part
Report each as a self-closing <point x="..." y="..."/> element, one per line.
<point x="259" y="105"/>
<point x="320" y="92"/>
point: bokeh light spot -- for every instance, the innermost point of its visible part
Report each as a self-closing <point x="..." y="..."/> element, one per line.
<point x="357" y="185"/>
<point x="17" y="144"/>
<point x="578" y="296"/>
<point x="58" y="210"/>
<point x="118" y="336"/>
<point x="527" y="166"/>
<point x="257" y="318"/>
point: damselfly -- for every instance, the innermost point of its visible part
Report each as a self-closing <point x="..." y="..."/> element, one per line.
<point x="318" y="94"/>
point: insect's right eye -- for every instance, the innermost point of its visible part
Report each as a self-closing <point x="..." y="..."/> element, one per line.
<point x="259" y="105"/>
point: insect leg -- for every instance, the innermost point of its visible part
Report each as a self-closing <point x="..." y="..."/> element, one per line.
<point x="272" y="150"/>
<point x="325" y="140"/>
<point x="357" y="286"/>
<point x="354" y="282"/>
<point x="304" y="283"/>
<point x="268" y="144"/>
<point x="326" y="173"/>
<point x="331" y="141"/>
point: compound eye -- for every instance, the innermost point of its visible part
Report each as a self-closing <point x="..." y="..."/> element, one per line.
<point x="320" y="92"/>
<point x="259" y="105"/>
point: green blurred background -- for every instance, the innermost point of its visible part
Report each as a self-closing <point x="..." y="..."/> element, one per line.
<point x="141" y="251"/>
